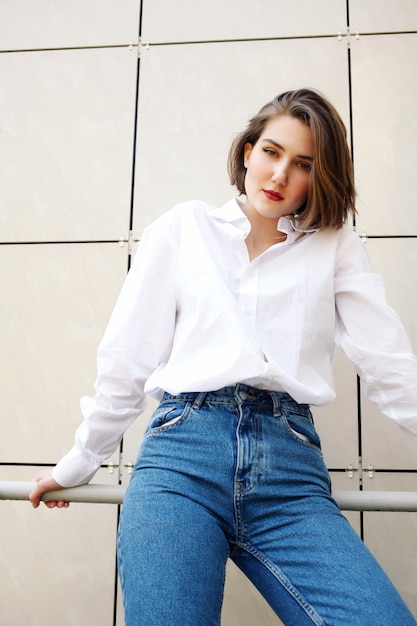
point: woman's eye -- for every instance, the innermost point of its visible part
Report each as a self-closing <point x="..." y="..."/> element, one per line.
<point x="270" y="151"/>
<point x="305" y="166"/>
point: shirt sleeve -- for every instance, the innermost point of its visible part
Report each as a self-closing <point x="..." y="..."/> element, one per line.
<point x="373" y="338"/>
<point x="137" y="339"/>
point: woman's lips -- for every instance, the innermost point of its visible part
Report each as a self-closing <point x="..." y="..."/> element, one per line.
<point x="273" y="195"/>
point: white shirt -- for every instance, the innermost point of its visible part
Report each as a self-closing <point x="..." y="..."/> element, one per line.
<point x="195" y="314"/>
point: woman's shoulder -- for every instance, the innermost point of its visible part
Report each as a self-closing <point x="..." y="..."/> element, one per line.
<point x="185" y="215"/>
<point x="351" y="249"/>
<point x="183" y="211"/>
<point x="346" y="235"/>
<point x="351" y="239"/>
<point x="343" y="244"/>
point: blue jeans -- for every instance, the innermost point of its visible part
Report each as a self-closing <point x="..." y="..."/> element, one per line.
<point x="238" y="473"/>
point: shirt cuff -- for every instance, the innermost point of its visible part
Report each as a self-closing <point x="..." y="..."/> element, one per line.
<point x="74" y="469"/>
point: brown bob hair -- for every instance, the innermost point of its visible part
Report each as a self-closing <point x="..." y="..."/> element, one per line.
<point x="331" y="193"/>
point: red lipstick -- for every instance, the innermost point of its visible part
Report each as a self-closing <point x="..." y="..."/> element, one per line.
<point x="273" y="195"/>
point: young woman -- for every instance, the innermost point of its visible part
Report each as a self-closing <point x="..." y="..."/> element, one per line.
<point x="230" y="316"/>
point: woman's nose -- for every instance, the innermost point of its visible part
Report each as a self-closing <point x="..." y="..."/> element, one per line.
<point x="280" y="176"/>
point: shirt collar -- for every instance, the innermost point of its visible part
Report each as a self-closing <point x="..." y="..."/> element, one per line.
<point x="232" y="213"/>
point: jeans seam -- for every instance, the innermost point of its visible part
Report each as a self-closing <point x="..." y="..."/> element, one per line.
<point x="224" y="585"/>
<point x="284" y="582"/>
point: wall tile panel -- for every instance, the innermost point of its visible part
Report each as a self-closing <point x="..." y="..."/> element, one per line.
<point x="385" y="132"/>
<point x="186" y="20"/>
<point x="57" y="566"/>
<point x="66" y="124"/>
<point x="28" y="25"/>
<point x="385" y="445"/>
<point x="59" y="299"/>
<point x="381" y="16"/>
<point x="392" y="537"/>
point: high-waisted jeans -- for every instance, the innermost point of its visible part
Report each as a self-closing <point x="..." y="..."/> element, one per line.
<point x="238" y="473"/>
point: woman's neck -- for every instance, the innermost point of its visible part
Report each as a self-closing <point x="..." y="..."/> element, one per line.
<point x="258" y="241"/>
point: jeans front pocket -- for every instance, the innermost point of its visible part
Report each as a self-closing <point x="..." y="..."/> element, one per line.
<point x="301" y="428"/>
<point x="167" y="415"/>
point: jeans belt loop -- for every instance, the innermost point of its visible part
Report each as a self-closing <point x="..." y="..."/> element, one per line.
<point x="199" y="400"/>
<point x="276" y="404"/>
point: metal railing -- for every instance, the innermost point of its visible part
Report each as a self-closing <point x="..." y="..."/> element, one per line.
<point x="399" y="501"/>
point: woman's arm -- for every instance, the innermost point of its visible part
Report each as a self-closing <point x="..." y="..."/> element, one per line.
<point x="371" y="334"/>
<point x="138" y="337"/>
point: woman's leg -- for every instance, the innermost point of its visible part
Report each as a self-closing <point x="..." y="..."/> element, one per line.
<point x="172" y="548"/>
<point x="340" y="583"/>
<point x="293" y="542"/>
<point x="172" y="557"/>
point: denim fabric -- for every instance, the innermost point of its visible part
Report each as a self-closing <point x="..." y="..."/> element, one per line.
<point x="238" y="473"/>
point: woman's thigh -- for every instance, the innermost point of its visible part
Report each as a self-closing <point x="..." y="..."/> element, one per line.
<point x="297" y="547"/>
<point x="318" y="571"/>
<point x="172" y="555"/>
<point x="172" y="545"/>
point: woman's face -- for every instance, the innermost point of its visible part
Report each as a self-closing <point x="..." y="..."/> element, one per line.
<point x="278" y="169"/>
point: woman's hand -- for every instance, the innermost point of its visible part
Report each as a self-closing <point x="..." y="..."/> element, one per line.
<point x="45" y="482"/>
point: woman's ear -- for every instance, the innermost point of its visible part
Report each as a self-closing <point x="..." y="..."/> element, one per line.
<point x="246" y="153"/>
